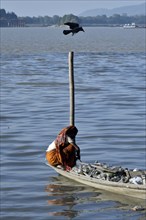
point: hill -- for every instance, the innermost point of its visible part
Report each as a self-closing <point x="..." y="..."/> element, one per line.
<point x="129" y="10"/>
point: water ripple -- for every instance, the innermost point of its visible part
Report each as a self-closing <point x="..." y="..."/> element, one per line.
<point x="110" y="116"/>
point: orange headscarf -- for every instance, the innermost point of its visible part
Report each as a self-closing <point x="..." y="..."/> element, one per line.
<point x="70" y="131"/>
<point x="61" y="140"/>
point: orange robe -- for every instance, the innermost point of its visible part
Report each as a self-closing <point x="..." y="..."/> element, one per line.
<point x="66" y="157"/>
<point x="65" y="152"/>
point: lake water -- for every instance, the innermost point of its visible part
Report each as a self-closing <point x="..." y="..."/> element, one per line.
<point x="109" y="69"/>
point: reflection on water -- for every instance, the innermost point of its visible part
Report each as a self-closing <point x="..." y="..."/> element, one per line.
<point x="69" y="201"/>
<point x="77" y="201"/>
<point x="70" y="198"/>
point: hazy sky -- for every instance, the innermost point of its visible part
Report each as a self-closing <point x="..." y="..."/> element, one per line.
<point x="60" y="7"/>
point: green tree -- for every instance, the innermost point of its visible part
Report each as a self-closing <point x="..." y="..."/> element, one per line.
<point x="69" y="18"/>
<point x="2" y="13"/>
<point x="11" y="16"/>
<point x="48" y="20"/>
<point x="56" y="19"/>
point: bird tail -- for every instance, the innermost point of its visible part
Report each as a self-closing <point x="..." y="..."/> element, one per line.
<point x="67" y="32"/>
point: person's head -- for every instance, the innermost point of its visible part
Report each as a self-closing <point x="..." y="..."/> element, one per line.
<point x="71" y="131"/>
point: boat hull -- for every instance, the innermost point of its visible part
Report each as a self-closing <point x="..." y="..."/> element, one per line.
<point x="132" y="190"/>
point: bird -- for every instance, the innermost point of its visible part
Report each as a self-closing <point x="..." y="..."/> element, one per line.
<point x="74" y="28"/>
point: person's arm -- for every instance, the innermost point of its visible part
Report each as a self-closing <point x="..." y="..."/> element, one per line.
<point x="77" y="151"/>
<point x="71" y="141"/>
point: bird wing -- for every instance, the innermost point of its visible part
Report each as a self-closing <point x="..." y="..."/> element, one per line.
<point x="72" y="25"/>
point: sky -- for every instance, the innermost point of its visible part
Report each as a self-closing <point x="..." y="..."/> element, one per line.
<point x="60" y="7"/>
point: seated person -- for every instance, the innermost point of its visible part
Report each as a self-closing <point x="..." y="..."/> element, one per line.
<point x="63" y="150"/>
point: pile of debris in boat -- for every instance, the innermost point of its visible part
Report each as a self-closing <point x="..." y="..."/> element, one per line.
<point x="103" y="171"/>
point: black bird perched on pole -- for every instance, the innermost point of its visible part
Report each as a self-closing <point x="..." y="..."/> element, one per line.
<point x="74" y="28"/>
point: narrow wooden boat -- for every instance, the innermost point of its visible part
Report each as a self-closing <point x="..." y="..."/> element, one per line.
<point x="128" y="189"/>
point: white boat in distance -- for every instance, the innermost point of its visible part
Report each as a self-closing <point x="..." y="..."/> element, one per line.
<point x="132" y="25"/>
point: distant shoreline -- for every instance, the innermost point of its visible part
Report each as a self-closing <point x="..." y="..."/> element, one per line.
<point x="57" y="26"/>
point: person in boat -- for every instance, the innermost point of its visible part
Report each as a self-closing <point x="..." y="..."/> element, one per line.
<point x="63" y="150"/>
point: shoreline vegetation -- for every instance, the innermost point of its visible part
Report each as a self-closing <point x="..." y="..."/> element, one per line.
<point x="10" y="19"/>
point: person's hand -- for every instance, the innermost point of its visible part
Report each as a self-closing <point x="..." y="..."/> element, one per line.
<point x="67" y="168"/>
<point x="78" y="154"/>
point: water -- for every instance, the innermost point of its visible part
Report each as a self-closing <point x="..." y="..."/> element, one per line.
<point x="109" y="66"/>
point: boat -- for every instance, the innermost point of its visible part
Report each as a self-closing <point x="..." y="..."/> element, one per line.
<point x="131" y="183"/>
<point x="129" y="26"/>
<point x="128" y="189"/>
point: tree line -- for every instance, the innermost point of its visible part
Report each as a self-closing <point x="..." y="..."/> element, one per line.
<point x="115" y="19"/>
<point x="10" y="19"/>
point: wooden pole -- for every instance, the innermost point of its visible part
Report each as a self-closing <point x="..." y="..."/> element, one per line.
<point x="71" y="87"/>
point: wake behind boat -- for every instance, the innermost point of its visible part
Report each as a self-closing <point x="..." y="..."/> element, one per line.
<point x="116" y="180"/>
